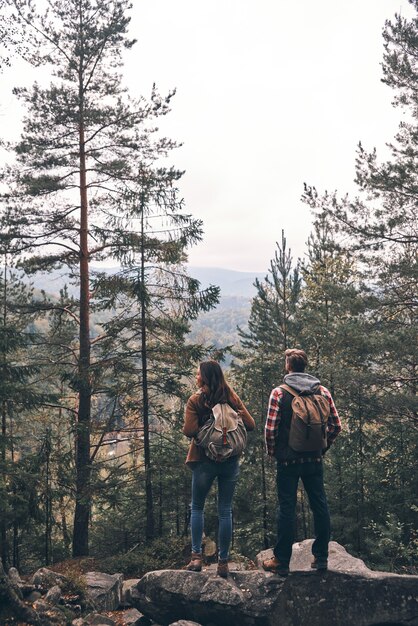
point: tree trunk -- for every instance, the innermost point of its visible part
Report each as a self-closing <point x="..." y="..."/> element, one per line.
<point x="83" y="470"/>
<point x="15" y="545"/>
<point x="187" y="508"/>
<point x="263" y="473"/>
<point x="48" y="503"/>
<point x="160" y="505"/>
<point x="264" y="496"/>
<point x="177" y="513"/>
<point x="61" y="503"/>
<point x="3" y="525"/>
<point x="149" y="527"/>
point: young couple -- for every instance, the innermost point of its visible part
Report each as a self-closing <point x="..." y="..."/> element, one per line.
<point x="291" y="465"/>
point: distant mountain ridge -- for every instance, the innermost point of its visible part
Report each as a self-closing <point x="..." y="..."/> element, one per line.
<point x="217" y="327"/>
<point x="231" y="282"/>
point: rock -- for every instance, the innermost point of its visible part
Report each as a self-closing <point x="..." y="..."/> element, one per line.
<point x="185" y="622"/>
<point x="167" y="596"/>
<point x="132" y="617"/>
<point x="14" y="576"/>
<point x="339" y="559"/>
<point x="33" y="596"/>
<point x="95" y="619"/>
<point x="47" y="578"/>
<point x="41" y="606"/>
<point x="128" y="588"/>
<point x="104" y="590"/>
<point x="349" y="594"/>
<point x="51" y="614"/>
<point x="54" y="595"/>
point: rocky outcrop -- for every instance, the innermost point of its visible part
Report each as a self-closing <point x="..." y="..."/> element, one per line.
<point x="45" y="577"/>
<point x="128" y="589"/>
<point x="348" y="594"/>
<point x="105" y="590"/>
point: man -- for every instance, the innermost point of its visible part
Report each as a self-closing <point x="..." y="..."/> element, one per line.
<point x="292" y="465"/>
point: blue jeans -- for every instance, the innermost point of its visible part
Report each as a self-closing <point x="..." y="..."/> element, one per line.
<point x="204" y="473"/>
<point x="288" y="476"/>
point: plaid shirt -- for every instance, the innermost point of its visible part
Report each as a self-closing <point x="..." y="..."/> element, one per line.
<point x="273" y="419"/>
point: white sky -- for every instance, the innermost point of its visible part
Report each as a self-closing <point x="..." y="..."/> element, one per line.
<point x="270" y="94"/>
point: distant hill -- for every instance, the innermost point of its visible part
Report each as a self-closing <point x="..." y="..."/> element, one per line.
<point x="231" y="282"/>
<point x="217" y="327"/>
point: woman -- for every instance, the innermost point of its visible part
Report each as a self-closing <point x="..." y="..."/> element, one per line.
<point x="213" y="389"/>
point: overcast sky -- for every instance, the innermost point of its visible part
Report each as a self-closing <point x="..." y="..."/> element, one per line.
<point x="270" y="94"/>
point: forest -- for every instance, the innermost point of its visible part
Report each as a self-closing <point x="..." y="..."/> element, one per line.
<point x="94" y="381"/>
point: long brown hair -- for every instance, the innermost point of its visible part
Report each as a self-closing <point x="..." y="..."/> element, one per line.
<point x="214" y="386"/>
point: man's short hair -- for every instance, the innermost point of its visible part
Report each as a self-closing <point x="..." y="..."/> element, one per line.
<point x="296" y="360"/>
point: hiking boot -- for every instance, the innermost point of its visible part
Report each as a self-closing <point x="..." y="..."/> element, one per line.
<point x="223" y="568"/>
<point x="276" y="566"/>
<point x="195" y="564"/>
<point x="319" y="564"/>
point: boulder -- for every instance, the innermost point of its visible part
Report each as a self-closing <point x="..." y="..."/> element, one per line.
<point x="128" y="588"/>
<point x="104" y="590"/>
<point x="45" y="577"/>
<point x="348" y="594"/>
<point x="132" y="617"/>
<point x="95" y="619"/>
<point x="33" y="596"/>
<point x="185" y="622"/>
<point x="339" y="559"/>
<point x="14" y="576"/>
<point x="54" y="595"/>
<point x="50" y="614"/>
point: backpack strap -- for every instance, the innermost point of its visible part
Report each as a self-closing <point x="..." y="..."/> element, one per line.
<point x="290" y="390"/>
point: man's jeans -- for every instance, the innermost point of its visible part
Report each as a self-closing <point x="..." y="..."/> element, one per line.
<point x="204" y="473"/>
<point x="288" y="476"/>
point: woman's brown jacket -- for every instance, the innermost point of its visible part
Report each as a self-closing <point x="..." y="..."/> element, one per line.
<point x="191" y="423"/>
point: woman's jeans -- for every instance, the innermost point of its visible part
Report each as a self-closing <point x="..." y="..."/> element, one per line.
<point x="204" y="473"/>
<point x="288" y="476"/>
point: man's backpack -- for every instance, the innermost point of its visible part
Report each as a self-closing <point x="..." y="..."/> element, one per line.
<point x="223" y="435"/>
<point x="308" y="425"/>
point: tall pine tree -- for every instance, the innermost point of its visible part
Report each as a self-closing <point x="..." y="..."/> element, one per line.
<point x="78" y="158"/>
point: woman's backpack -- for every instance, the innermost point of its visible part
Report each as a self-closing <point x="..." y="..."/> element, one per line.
<point x="308" y="426"/>
<point x="223" y="435"/>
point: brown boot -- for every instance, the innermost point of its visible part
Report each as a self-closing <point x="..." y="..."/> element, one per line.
<point x="275" y="566"/>
<point x="195" y="564"/>
<point x="223" y="569"/>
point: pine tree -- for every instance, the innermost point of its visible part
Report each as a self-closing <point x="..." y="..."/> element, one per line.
<point x="155" y="300"/>
<point x="78" y="156"/>
<point x="272" y="327"/>
<point x="379" y="231"/>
